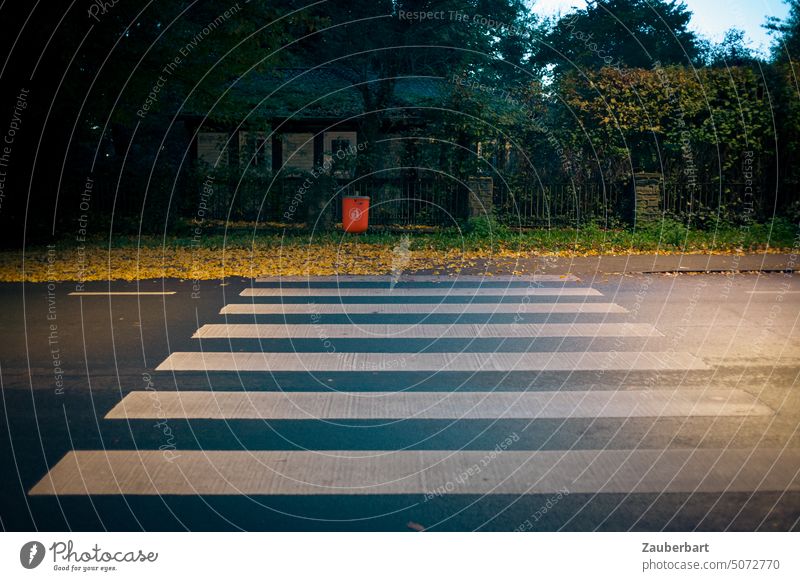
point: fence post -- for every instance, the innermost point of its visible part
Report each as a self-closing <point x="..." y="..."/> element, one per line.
<point x="481" y="193"/>
<point x="647" y="192"/>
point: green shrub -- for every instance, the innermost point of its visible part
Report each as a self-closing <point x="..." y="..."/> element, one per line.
<point x="485" y="227"/>
<point x="666" y="232"/>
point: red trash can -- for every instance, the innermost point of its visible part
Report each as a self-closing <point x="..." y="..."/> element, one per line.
<point x="355" y="213"/>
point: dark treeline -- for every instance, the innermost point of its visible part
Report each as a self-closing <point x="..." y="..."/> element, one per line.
<point x="96" y="99"/>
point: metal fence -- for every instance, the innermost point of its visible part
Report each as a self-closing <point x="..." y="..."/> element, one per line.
<point x="437" y="201"/>
<point x="557" y="204"/>
<point x="393" y="201"/>
<point x="567" y="204"/>
<point x="445" y="202"/>
<point x="430" y="202"/>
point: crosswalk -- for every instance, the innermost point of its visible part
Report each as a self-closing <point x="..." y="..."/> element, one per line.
<point x="427" y="327"/>
<point x="428" y="405"/>
<point x="211" y="472"/>
<point x="429" y="362"/>
<point x="420" y="308"/>
<point x="427" y="331"/>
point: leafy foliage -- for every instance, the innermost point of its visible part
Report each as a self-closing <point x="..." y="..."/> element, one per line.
<point x="623" y="33"/>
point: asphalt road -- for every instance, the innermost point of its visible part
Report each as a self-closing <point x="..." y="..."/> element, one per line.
<point x="642" y="402"/>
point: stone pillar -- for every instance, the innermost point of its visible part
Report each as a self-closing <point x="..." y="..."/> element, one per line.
<point x="647" y="191"/>
<point x="481" y="195"/>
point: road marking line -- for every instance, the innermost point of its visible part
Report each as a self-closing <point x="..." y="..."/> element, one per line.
<point x="411" y="331"/>
<point x="436" y="405"/>
<point x="421" y="278"/>
<point x="421" y="309"/>
<point x="416" y="292"/>
<point x="464" y="361"/>
<point x="121" y="293"/>
<point x="207" y="472"/>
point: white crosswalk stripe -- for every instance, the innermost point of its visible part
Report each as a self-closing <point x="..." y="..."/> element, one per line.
<point x="432" y="362"/>
<point x="210" y="472"/>
<point x="419" y="292"/>
<point x="622" y="347"/>
<point x="282" y="331"/>
<point x="418" y="308"/>
<point x="438" y="405"/>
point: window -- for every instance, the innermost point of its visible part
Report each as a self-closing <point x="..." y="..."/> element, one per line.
<point x="260" y="152"/>
<point x="338" y="145"/>
<point x="255" y="149"/>
<point x="298" y="151"/>
<point x="339" y="148"/>
<point x="212" y="148"/>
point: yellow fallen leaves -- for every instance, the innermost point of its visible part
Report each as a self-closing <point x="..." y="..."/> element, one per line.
<point x="194" y="263"/>
<point x="42" y="265"/>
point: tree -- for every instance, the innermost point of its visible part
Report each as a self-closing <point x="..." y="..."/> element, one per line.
<point x="96" y="76"/>
<point x="623" y="33"/>
<point x="786" y="33"/>
<point x="374" y="42"/>
<point x="732" y="51"/>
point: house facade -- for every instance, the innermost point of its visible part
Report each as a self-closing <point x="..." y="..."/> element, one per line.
<point x="304" y="122"/>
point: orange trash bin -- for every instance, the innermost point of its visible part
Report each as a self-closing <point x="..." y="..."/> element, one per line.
<point x="355" y="213"/>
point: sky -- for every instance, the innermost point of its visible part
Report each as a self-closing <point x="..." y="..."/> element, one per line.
<point x="711" y="18"/>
